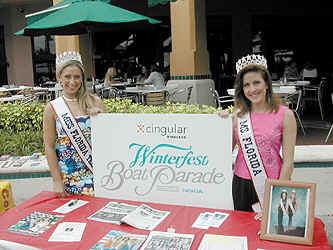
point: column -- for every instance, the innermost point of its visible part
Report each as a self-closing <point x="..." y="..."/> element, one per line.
<point x="189" y="59"/>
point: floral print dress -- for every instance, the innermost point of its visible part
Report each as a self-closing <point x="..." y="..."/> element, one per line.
<point x="77" y="178"/>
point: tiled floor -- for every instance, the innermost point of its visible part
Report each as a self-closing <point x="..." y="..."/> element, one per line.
<point x="316" y="130"/>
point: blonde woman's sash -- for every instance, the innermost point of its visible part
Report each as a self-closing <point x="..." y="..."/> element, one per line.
<point x="252" y="158"/>
<point x="290" y="203"/>
<point x="73" y="131"/>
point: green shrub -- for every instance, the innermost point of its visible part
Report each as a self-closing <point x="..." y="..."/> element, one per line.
<point x="16" y="117"/>
<point x="21" y="143"/>
<point x="21" y="125"/>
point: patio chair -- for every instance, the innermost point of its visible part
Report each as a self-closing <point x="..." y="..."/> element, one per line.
<point x="331" y="129"/>
<point x="155" y="98"/>
<point x="174" y="94"/>
<point x="294" y="102"/>
<point x="220" y="100"/>
<point x="315" y="94"/>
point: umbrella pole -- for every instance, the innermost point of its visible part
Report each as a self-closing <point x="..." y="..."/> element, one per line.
<point x="92" y="60"/>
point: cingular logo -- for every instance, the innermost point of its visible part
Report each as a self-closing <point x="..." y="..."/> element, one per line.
<point x="171" y="131"/>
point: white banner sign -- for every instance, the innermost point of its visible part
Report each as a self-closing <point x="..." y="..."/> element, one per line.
<point x="182" y="159"/>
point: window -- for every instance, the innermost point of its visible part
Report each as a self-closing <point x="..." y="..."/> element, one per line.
<point x="44" y="55"/>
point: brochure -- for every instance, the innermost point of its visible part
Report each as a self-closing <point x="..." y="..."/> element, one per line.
<point x="145" y="217"/>
<point x="68" y="232"/>
<point x="120" y="240"/>
<point x="35" y="224"/>
<point x="164" y="241"/>
<point x="218" y="242"/>
<point x="206" y="220"/>
<point x="113" y="212"/>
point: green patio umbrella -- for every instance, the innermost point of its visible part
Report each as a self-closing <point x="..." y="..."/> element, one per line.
<point x="74" y="17"/>
<point x="84" y="16"/>
<point x="152" y="3"/>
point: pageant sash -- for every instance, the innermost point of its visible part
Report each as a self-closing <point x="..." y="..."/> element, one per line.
<point x="73" y="131"/>
<point x="283" y="207"/>
<point x="252" y="158"/>
<point x="291" y="206"/>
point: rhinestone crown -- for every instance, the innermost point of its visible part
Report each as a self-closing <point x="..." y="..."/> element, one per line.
<point x="68" y="56"/>
<point x="250" y="59"/>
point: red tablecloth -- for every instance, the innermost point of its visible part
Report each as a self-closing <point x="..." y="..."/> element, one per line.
<point x="181" y="218"/>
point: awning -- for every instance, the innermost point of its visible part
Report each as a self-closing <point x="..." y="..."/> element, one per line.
<point x="152" y="3"/>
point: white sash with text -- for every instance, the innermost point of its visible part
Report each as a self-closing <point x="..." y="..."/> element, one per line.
<point x="73" y="131"/>
<point x="252" y="158"/>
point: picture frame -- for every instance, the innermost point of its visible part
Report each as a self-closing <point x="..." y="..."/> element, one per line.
<point x="288" y="212"/>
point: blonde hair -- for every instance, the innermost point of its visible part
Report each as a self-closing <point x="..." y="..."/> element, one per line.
<point x="111" y="72"/>
<point x="85" y="98"/>
<point x="242" y="103"/>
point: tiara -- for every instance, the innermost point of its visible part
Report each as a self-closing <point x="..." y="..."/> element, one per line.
<point x="68" y="56"/>
<point x="250" y="59"/>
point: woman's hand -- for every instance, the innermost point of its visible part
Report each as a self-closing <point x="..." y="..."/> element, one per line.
<point x="59" y="190"/>
<point x="94" y="111"/>
<point x="258" y="216"/>
<point x="223" y="114"/>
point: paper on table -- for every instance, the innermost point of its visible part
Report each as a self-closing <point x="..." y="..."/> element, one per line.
<point x="68" y="232"/>
<point x="164" y="240"/>
<point x="112" y="212"/>
<point x="145" y="217"/>
<point x="203" y="220"/>
<point x="66" y="208"/>
<point x="217" y="219"/>
<point x="217" y="242"/>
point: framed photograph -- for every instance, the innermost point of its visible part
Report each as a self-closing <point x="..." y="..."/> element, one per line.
<point x="288" y="213"/>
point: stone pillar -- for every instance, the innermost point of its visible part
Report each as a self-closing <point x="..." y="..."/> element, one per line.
<point x="189" y="59"/>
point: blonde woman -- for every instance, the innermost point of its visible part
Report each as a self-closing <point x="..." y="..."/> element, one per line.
<point x="110" y="74"/>
<point x="66" y="129"/>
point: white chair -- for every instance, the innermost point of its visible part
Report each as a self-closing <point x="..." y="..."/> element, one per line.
<point x="174" y="94"/>
<point x="220" y="100"/>
<point x="331" y="129"/>
<point x="294" y="102"/>
<point x="315" y="94"/>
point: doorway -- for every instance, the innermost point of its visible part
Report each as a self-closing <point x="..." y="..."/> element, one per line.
<point x="3" y="58"/>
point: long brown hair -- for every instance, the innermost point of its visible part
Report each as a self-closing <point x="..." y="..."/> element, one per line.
<point x="242" y="103"/>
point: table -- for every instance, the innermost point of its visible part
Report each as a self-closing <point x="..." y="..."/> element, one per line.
<point x="18" y="88"/>
<point x="140" y="92"/>
<point x="180" y="218"/>
<point x="296" y="83"/>
<point x="280" y="90"/>
<point x="12" y="98"/>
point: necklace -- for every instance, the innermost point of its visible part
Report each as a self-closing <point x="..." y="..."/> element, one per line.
<point x="69" y="99"/>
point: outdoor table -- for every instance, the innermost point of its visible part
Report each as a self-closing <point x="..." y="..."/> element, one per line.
<point x="180" y="218"/>
<point x="12" y="98"/>
<point x="296" y="83"/>
<point x="281" y="90"/>
<point x="12" y="89"/>
<point x="140" y="92"/>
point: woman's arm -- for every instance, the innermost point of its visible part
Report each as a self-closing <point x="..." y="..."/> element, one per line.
<point x="98" y="107"/>
<point x="49" y="136"/>
<point x="234" y="122"/>
<point x="288" y="144"/>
